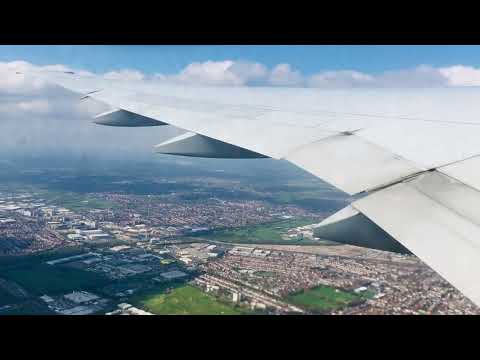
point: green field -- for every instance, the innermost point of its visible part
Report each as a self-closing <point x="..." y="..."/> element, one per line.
<point x="74" y="201"/>
<point x="322" y="298"/>
<point x="40" y="279"/>
<point x="310" y="197"/>
<point x="184" y="300"/>
<point x="270" y="233"/>
<point x="289" y="197"/>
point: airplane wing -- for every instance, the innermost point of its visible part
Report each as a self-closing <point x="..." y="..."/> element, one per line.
<point x="412" y="154"/>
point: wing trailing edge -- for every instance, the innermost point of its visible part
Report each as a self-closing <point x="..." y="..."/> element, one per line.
<point x="351" y="163"/>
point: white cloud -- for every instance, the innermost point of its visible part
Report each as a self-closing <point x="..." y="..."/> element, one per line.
<point x="340" y="79"/>
<point x="460" y="75"/>
<point x="249" y="72"/>
<point x="420" y="76"/>
<point x="209" y="73"/>
<point x="246" y="73"/>
<point x="221" y="73"/>
<point x="284" y="75"/>
<point x="38" y="106"/>
<point x="126" y="74"/>
<point x="12" y="83"/>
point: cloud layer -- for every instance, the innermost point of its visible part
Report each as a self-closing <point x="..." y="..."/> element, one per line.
<point x="246" y="73"/>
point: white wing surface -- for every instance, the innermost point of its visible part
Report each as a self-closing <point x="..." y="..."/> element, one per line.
<point x="414" y="153"/>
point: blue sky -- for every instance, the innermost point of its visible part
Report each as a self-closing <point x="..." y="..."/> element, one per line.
<point x="308" y="59"/>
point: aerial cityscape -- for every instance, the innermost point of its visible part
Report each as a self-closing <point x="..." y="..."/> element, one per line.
<point x="219" y="243"/>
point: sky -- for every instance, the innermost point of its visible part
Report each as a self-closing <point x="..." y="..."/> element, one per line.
<point x="309" y="59"/>
<point x="36" y="117"/>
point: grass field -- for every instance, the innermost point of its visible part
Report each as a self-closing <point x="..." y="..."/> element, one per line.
<point x="40" y="279"/>
<point x="316" y="199"/>
<point x="184" y="300"/>
<point x="74" y="201"/>
<point x="291" y="196"/>
<point x="270" y="233"/>
<point x="322" y="298"/>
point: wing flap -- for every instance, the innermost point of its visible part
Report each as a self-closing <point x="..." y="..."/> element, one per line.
<point x="434" y="217"/>
<point x="466" y="171"/>
<point x="429" y="144"/>
<point x="351" y="164"/>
